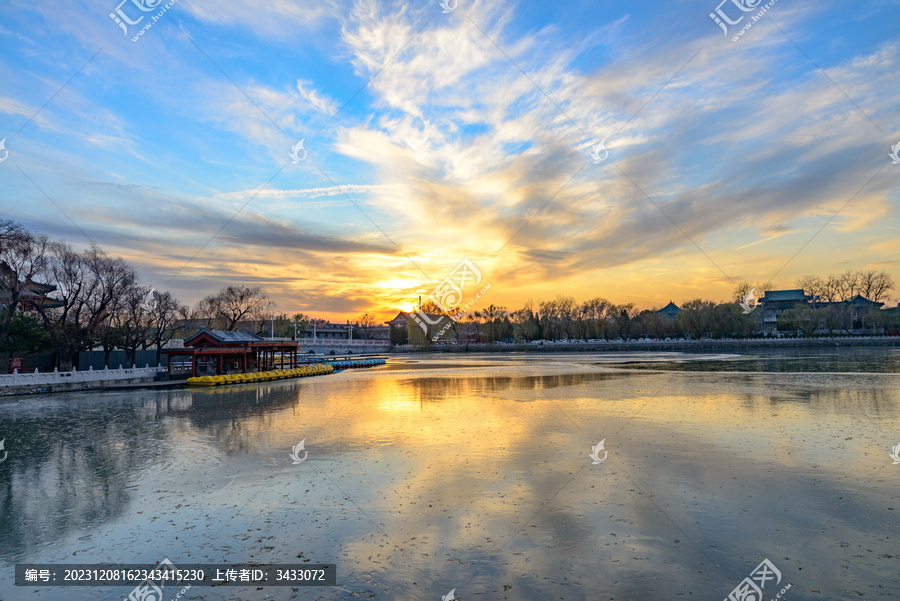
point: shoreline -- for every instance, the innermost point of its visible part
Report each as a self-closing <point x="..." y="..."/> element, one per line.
<point x="673" y="345"/>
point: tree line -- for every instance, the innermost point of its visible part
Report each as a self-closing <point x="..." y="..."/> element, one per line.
<point x="99" y="301"/>
<point x="563" y="318"/>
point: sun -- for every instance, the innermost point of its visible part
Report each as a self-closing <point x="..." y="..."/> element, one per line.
<point x="406" y="307"/>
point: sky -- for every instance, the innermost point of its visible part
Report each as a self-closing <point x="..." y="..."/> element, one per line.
<point x="632" y="151"/>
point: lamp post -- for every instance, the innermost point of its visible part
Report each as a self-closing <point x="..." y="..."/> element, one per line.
<point x="350" y="326"/>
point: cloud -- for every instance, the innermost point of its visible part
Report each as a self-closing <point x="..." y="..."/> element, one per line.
<point x="316" y="98"/>
<point x="470" y="134"/>
<point x="771" y="153"/>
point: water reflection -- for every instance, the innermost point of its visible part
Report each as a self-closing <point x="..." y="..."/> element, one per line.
<point x="797" y="360"/>
<point x="448" y="476"/>
<point x="73" y="459"/>
<point x="434" y="389"/>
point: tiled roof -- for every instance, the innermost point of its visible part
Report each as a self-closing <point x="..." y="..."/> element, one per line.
<point x="670" y="308"/>
<point x="859" y="299"/>
<point x="403" y="318"/>
<point x="785" y="295"/>
<point x="229" y="336"/>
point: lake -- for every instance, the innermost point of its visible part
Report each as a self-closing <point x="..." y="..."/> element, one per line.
<point x="472" y="472"/>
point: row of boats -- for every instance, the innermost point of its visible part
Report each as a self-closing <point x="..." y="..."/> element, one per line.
<point x="354" y="363"/>
<point x="261" y="376"/>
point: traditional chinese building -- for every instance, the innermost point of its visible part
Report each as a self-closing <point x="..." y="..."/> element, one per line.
<point x="670" y="311"/>
<point x="214" y="352"/>
<point x="34" y="295"/>
<point x="776" y="302"/>
<point x="436" y="326"/>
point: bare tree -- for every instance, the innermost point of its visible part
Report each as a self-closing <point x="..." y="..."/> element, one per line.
<point x="365" y="323"/>
<point x="566" y="313"/>
<point x="848" y="284"/>
<point x="875" y="285"/>
<point x="134" y="320"/>
<point x="109" y="279"/>
<point x="68" y="271"/>
<point x="163" y="312"/>
<point x="831" y="289"/>
<point x="235" y="303"/>
<point x="23" y="256"/>
<point x="743" y="288"/>
<point x="814" y="286"/>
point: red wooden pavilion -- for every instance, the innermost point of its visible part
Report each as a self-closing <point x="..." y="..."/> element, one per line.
<point x="243" y="351"/>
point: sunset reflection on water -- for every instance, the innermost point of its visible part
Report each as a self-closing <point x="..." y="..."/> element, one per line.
<point x="469" y="473"/>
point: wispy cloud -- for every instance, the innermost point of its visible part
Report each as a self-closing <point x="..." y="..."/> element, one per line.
<point x="451" y="149"/>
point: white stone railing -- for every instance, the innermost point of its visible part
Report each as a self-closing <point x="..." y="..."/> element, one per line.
<point x="341" y="342"/>
<point x="91" y="375"/>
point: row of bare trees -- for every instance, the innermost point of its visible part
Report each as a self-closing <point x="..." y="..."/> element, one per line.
<point x="98" y="301"/>
<point x="597" y="318"/>
<point x="871" y="284"/>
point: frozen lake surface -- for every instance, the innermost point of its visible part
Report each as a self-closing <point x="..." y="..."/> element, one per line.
<point x="472" y="472"/>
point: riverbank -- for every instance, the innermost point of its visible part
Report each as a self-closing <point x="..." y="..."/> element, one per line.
<point x="656" y="346"/>
<point x="24" y="389"/>
<point x="48" y="383"/>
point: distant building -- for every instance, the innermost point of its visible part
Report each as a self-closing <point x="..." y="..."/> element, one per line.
<point x="776" y="302"/>
<point x="892" y="327"/>
<point x="403" y="317"/>
<point x="434" y="323"/>
<point x="670" y="311"/>
<point x="343" y="331"/>
<point x="858" y="307"/>
<point x="33" y="295"/>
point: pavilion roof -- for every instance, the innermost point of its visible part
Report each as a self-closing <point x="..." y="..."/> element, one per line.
<point x="670" y="308"/>
<point x="207" y="337"/>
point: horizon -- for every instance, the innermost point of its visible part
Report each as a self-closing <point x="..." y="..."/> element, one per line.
<point x="435" y="137"/>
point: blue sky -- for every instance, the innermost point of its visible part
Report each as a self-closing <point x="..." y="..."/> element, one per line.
<point x="434" y="137"/>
